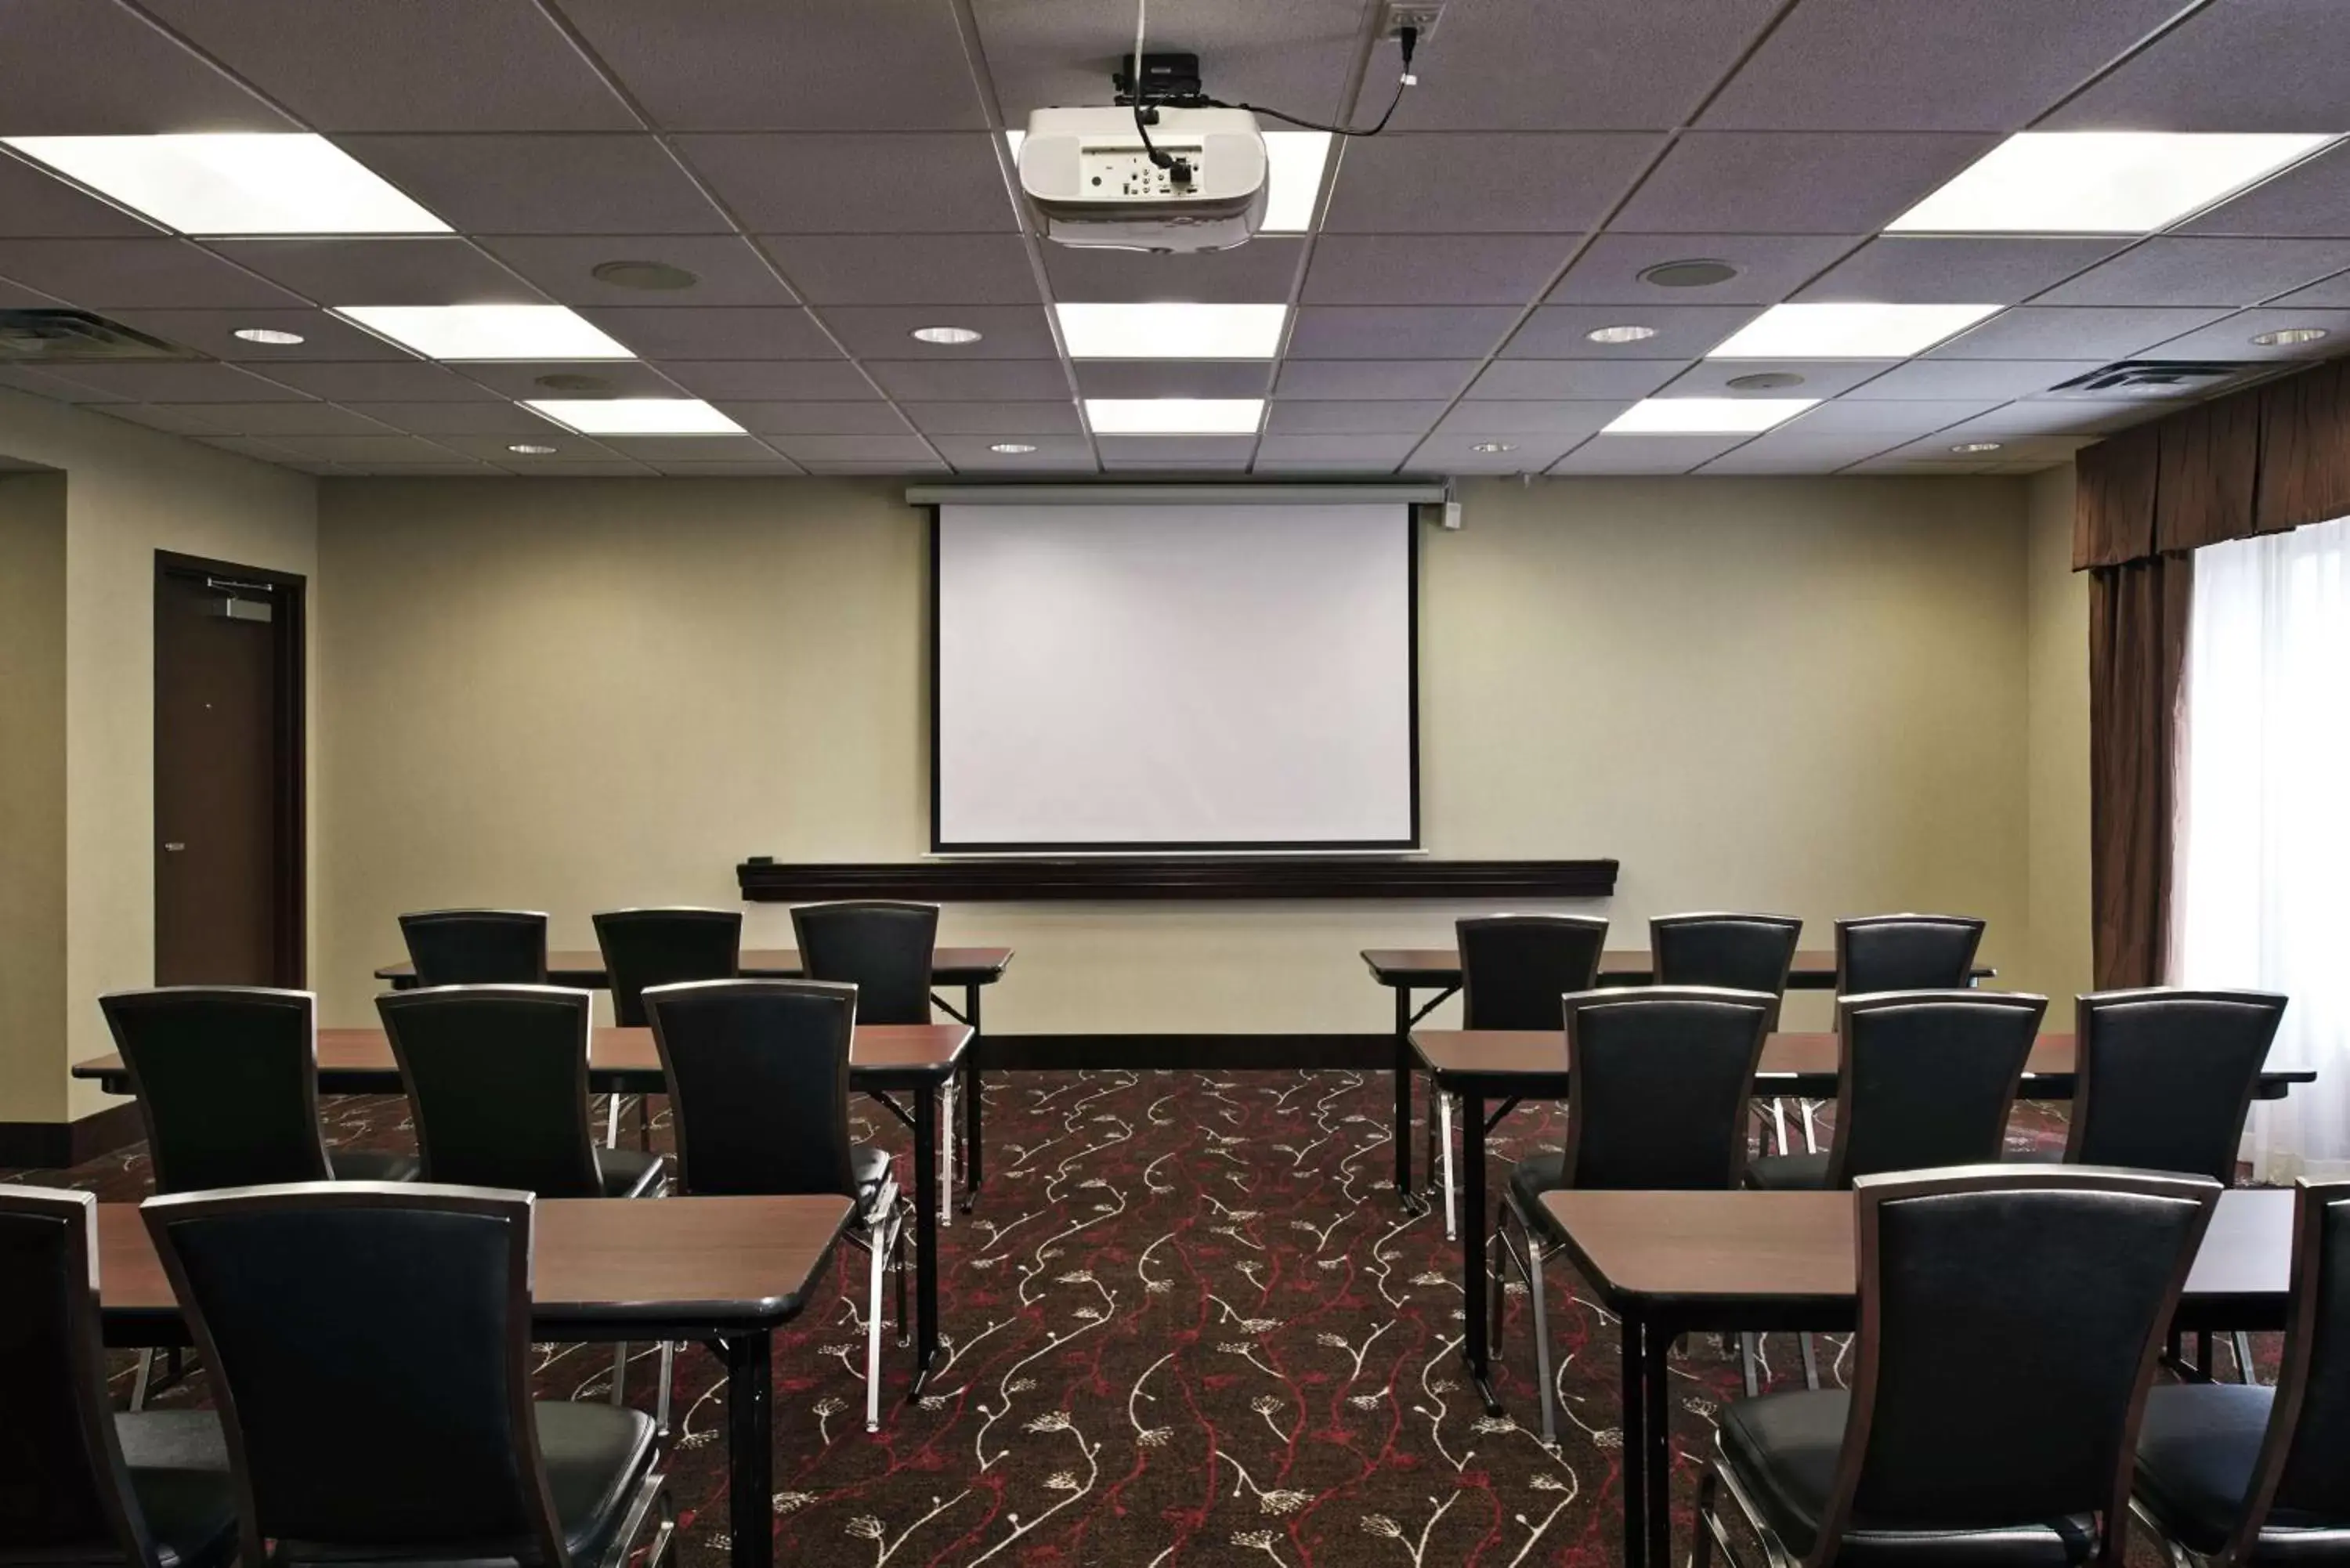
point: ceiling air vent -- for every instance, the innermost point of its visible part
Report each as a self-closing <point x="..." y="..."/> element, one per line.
<point x="75" y="336"/>
<point x="2159" y="379"/>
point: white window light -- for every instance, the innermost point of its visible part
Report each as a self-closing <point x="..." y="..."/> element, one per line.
<point x="635" y="416"/>
<point x="243" y="183"/>
<point x="1706" y="416"/>
<point x="1854" y="331"/>
<point x="2099" y="181"/>
<point x="1172" y="331"/>
<point x="1293" y="160"/>
<point x="488" y="331"/>
<point x="1174" y="415"/>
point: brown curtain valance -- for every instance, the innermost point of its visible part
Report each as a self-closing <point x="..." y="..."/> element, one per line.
<point x="2262" y="460"/>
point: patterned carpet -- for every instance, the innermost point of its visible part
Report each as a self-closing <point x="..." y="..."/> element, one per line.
<point x="1187" y="1325"/>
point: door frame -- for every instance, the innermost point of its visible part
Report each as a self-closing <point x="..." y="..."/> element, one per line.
<point x="289" y="748"/>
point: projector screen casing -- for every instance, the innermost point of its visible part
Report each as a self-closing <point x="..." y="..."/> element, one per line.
<point x="1396" y="807"/>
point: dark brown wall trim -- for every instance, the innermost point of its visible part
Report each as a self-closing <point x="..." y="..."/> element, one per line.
<point x="1194" y="1053"/>
<point x="1123" y="878"/>
<point x="54" y="1146"/>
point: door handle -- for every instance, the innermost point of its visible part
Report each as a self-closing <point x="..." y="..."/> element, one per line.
<point x="173" y="847"/>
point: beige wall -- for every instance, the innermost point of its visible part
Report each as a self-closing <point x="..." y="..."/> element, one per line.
<point x="1805" y="695"/>
<point x="2057" y="747"/>
<point x="32" y="795"/>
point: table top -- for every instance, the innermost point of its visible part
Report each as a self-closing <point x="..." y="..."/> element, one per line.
<point x="1814" y="968"/>
<point x="584" y="967"/>
<point x="720" y="1262"/>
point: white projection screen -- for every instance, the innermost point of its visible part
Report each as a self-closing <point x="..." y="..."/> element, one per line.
<point x="1173" y="676"/>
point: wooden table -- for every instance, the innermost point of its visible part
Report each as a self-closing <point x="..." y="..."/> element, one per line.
<point x="1506" y="1066"/>
<point x="973" y="969"/>
<point x="918" y="1057"/>
<point x="1669" y="1264"/>
<point x="730" y="1270"/>
<point x="1405" y="970"/>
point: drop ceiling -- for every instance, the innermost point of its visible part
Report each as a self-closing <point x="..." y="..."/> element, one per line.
<point x="833" y="174"/>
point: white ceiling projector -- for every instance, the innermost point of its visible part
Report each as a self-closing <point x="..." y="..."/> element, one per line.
<point x="1093" y="182"/>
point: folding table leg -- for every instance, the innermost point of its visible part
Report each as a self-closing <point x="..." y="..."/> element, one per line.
<point x="750" y="1456"/>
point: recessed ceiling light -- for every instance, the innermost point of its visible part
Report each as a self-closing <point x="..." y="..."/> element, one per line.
<point x="950" y="336"/>
<point x="236" y="183"/>
<point x="649" y="275"/>
<point x="1620" y="334"/>
<point x="2098" y="181"/>
<point x="488" y="331"/>
<point x="1848" y="331"/>
<point x="1012" y="448"/>
<point x="1174" y="415"/>
<point x="1976" y="446"/>
<point x="1688" y="274"/>
<point x="1293" y="160"/>
<point x="1172" y="331"/>
<point x="2284" y="337"/>
<point x="635" y="416"/>
<point x="1489" y="447"/>
<point x="1763" y="381"/>
<point x="530" y="449"/>
<point x="1705" y="416"/>
<point x="269" y="335"/>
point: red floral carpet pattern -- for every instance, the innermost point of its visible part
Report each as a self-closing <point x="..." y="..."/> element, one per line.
<point x="1187" y="1325"/>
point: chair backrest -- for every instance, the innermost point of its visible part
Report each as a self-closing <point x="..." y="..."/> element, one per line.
<point x="1926" y="1078"/>
<point x="2164" y="1078"/>
<point x="497" y="1079"/>
<point x="1662" y="1077"/>
<point x="2303" y="1476"/>
<point x="369" y="1349"/>
<point x="476" y="947"/>
<point x="661" y="946"/>
<point x="882" y="949"/>
<point x="1905" y="952"/>
<point x="1736" y="953"/>
<point x="1514" y="968"/>
<point x="227" y="1080"/>
<point x="68" y="1498"/>
<point x="2063" y="1277"/>
<point x="758" y="1083"/>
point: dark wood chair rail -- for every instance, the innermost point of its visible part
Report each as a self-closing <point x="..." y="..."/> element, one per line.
<point x="1138" y="878"/>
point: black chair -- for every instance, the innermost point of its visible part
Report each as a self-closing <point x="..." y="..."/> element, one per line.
<point x="2164" y="1078"/>
<point x="2234" y="1474"/>
<point x="150" y="1490"/>
<point x="497" y="1081"/>
<point x="758" y="1085"/>
<point x="1660" y="1080"/>
<point x="2010" y="1323"/>
<point x="1734" y="952"/>
<point x="1905" y="952"/>
<point x="476" y="947"/>
<point x="372" y="1365"/>
<point x="661" y="946"/>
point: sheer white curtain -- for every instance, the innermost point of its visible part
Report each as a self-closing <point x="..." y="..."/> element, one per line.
<point x="2263" y="895"/>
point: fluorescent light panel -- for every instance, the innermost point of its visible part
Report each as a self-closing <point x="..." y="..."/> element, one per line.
<point x="1172" y="331"/>
<point x="1174" y="415"/>
<point x="2098" y="181"/>
<point x="1706" y="416"/>
<point x="635" y="416"/>
<point x="1855" y="331"/>
<point x="1293" y="160"/>
<point x="488" y="331"/>
<point x="236" y="183"/>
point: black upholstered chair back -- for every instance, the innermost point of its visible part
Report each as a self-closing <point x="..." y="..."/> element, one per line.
<point x="68" y="1497"/>
<point x="2065" y="1279"/>
<point x="476" y="947"/>
<point x="1514" y="968"/>
<point x="1905" y="952"/>
<point x="2165" y="1077"/>
<point x="497" y="1078"/>
<point x="369" y="1349"/>
<point x="2303" y="1475"/>
<point x="882" y="949"/>
<point x="1662" y="1077"/>
<point x="758" y="1083"/>
<point x="661" y="946"/>
<point x="1735" y="952"/>
<point x="227" y="1080"/>
<point x="1926" y="1078"/>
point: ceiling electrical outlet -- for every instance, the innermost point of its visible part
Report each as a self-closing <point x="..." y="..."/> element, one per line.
<point x="1402" y="13"/>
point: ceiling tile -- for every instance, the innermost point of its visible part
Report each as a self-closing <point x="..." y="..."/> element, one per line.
<point x="54" y="387"/>
<point x="284" y="419"/>
<point x="2204" y="272"/>
<point x="1296" y="55"/>
<point x="2086" y="332"/>
<point x="1350" y="379"/>
<point x="973" y="450"/>
<point x="1010" y="331"/>
<point x="544" y="184"/>
<point x="938" y="269"/>
<point x="1898" y="420"/>
<point x="730" y="271"/>
<point x="717" y="332"/>
<point x="39" y="205"/>
<point x="69" y="68"/>
<point x="251" y="447"/>
<point x="2241" y="66"/>
<point x="177" y="383"/>
<point x="103" y="275"/>
<point x="213" y="332"/>
<point x="177" y="418"/>
<point x="1747" y="461"/>
<point x="874" y="418"/>
<point x="1821" y="378"/>
<point x="1986" y="379"/>
<point x="387" y="271"/>
<point x="1155" y="451"/>
<point x="1024" y="420"/>
<point x="1470" y="182"/>
<point x="1900" y="465"/>
<point x="2049" y="417"/>
<point x="690" y="449"/>
<point x="373" y="450"/>
<point x="1456" y="454"/>
<point x="1558" y="380"/>
<point x="1683" y="332"/>
<point x="2333" y="293"/>
<point x="777" y="380"/>
<point x="620" y="378"/>
<point x="2311" y="199"/>
<point x="854" y="448"/>
<point x="1643" y="453"/>
<point x="849" y="184"/>
<point x="390" y="381"/>
<point x="568" y="468"/>
<point x="421" y="65"/>
<point x="1793" y="183"/>
<point x="1291" y="418"/>
<point x="1480" y="419"/>
<point x="1380" y="452"/>
<point x="1943" y="446"/>
<point x="1386" y="331"/>
<point x="1433" y="269"/>
<point x="771" y="467"/>
<point x="1172" y="377"/>
<point x="1770" y="267"/>
<point x="1926" y="65"/>
<point x="568" y="448"/>
<point x="1261" y="272"/>
<point x="509" y="420"/>
<point x="877" y="468"/>
<point x="1956" y="270"/>
<point x="1790" y="448"/>
<point x="2233" y="338"/>
<point x="753" y="65"/>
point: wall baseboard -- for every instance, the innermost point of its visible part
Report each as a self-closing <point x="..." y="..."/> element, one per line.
<point x="1208" y="1053"/>
<point x="54" y="1146"/>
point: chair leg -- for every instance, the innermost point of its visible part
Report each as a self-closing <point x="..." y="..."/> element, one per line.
<point x="1750" y="1362"/>
<point x="1498" y="1298"/>
<point x="1541" y="1340"/>
<point x="1427" y="1155"/>
<point x="612" y="1122"/>
<point x="645" y="1124"/>
<point x="905" y="1270"/>
<point x="946" y="1153"/>
<point x="1444" y="1132"/>
<point x="667" y="1378"/>
<point x="1811" y="1361"/>
<point x="621" y="1373"/>
<point x="1811" y="1127"/>
<point x="1779" y="1123"/>
<point x="139" y="1384"/>
<point x="2243" y="1345"/>
<point x="877" y="1238"/>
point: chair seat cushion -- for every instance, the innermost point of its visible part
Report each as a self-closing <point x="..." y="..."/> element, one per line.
<point x="371" y="1165"/>
<point x="2195" y="1453"/>
<point x="1788" y="1172"/>
<point x="1529" y="1179"/>
<point x="595" y="1457"/>
<point x="1784" y="1449"/>
<point x="628" y="1172"/>
<point x="178" y="1461"/>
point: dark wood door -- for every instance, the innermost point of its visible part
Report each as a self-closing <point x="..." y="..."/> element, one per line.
<point x="228" y="834"/>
